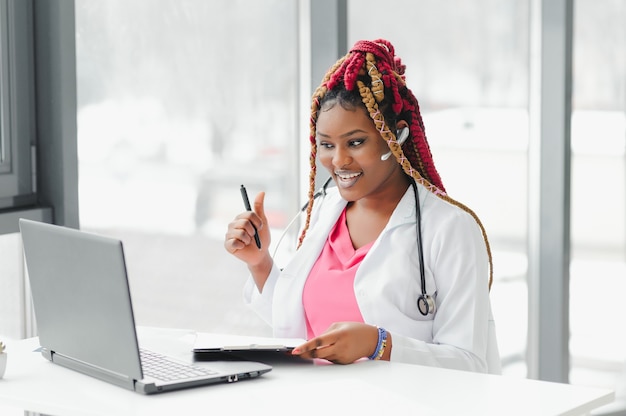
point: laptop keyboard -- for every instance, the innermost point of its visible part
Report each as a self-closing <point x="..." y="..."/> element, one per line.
<point x="162" y="368"/>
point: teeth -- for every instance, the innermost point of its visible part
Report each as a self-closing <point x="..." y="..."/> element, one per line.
<point x="349" y="176"/>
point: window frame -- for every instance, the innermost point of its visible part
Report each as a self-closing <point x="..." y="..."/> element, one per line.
<point x="16" y="81"/>
<point x="42" y="68"/>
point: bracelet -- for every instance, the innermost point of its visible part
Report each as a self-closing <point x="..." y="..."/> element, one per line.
<point x="380" y="346"/>
<point x="382" y="349"/>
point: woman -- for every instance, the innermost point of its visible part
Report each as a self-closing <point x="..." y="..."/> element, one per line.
<point x="388" y="266"/>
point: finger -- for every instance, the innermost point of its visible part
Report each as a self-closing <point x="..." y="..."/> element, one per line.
<point x="250" y="230"/>
<point x="245" y="227"/>
<point x="232" y="245"/>
<point x="311" y="345"/>
<point x="312" y="348"/>
<point x="248" y="220"/>
<point x="259" y="208"/>
<point x="241" y="230"/>
<point x="325" y="352"/>
<point x="304" y="349"/>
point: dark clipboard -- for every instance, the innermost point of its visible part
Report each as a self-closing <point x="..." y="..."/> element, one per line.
<point x="209" y="347"/>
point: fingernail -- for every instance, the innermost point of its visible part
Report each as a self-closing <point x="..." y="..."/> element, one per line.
<point x="295" y="351"/>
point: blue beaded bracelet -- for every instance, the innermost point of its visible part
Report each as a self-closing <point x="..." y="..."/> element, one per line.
<point x="380" y="346"/>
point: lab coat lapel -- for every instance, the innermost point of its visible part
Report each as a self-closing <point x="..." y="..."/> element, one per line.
<point x="288" y="309"/>
<point x="404" y="212"/>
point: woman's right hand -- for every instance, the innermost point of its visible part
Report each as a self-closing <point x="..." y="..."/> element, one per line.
<point x="240" y="242"/>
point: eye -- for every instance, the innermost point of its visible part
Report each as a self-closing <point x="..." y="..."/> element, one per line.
<point x="326" y="145"/>
<point x="355" y="142"/>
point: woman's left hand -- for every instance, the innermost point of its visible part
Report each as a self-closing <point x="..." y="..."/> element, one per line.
<point x="342" y="343"/>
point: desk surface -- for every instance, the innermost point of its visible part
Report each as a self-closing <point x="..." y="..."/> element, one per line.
<point x="369" y="387"/>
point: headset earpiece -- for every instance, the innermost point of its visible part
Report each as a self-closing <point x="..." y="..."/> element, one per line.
<point x="401" y="136"/>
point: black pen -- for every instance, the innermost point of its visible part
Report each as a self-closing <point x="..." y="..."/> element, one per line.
<point x="246" y="204"/>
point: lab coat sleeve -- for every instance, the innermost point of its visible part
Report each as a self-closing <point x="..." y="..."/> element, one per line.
<point x="280" y="304"/>
<point x="460" y="327"/>
<point x="261" y="302"/>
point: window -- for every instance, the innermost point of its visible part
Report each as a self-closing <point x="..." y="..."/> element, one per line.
<point x="36" y="43"/>
<point x="180" y="102"/>
<point x="598" y="267"/>
<point x="16" y="80"/>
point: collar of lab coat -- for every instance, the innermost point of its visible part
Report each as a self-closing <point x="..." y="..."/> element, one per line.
<point x="333" y="205"/>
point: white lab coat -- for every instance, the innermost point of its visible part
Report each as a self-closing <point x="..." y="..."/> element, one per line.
<point x="461" y="333"/>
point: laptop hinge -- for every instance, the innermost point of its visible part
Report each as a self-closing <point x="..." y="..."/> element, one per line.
<point x="90" y="370"/>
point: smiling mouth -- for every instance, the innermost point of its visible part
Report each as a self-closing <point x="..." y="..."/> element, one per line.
<point x="346" y="180"/>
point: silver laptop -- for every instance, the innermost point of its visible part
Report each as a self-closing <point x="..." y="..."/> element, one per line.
<point x="85" y="317"/>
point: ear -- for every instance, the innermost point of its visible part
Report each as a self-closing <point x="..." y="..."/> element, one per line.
<point x="401" y="124"/>
<point x="402" y="131"/>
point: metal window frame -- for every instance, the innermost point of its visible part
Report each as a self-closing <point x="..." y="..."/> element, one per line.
<point x="548" y="356"/>
<point x="16" y="104"/>
<point x="5" y="144"/>
<point x="46" y="124"/>
<point x="326" y="41"/>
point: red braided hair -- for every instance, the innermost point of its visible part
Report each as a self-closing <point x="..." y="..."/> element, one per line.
<point x="372" y="71"/>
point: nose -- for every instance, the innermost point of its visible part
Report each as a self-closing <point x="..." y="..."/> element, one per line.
<point x="341" y="157"/>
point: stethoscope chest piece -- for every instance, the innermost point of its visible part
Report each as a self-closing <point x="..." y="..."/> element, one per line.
<point x="426" y="304"/>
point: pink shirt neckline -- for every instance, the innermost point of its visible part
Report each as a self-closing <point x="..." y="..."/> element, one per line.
<point x="328" y="294"/>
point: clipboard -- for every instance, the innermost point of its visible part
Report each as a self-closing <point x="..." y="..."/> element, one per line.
<point x="211" y="347"/>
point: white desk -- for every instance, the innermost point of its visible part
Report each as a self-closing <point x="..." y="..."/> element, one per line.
<point x="366" y="388"/>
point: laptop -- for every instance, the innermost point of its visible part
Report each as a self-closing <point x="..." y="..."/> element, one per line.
<point x="85" y="318"/>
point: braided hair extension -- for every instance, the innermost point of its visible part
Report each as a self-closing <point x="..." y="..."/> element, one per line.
<point x="371" y="75"/>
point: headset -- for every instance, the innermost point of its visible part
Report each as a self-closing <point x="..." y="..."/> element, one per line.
<point x="425" y="302"/>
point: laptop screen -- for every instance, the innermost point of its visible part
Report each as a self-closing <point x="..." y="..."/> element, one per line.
<point x="81" y="297"/>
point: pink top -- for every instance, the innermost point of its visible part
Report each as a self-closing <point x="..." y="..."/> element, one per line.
<point x="328" y="294"/>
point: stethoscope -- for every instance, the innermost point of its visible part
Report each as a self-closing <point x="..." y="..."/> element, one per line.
<point x="425" y="302"/>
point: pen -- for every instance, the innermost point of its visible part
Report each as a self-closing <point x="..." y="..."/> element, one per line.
<point x="246" y="203"/>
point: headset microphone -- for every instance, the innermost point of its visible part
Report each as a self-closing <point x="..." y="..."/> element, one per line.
<point x="401" y="136"/>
